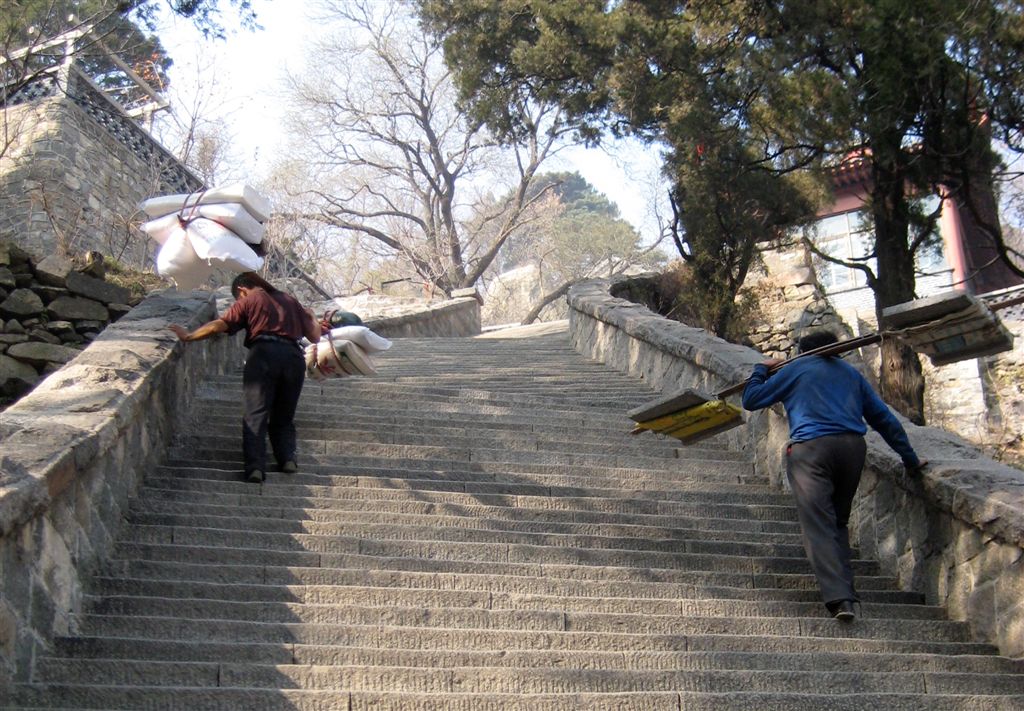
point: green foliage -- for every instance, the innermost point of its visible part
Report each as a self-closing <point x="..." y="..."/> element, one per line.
<point x="584" y="238"/>
<point x="757" y="91"/>
<point x="124" y="26"/>
<point x="675" y="294"/>
<point x="576" y="193"/>
<point x="660" y="73"/>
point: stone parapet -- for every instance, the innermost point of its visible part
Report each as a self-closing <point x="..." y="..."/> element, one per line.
<point x="955" y="534"/>
<point x="76" y="448"/>
<point x="453" y="318"/>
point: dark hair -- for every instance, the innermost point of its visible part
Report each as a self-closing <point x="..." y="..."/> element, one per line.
<point x="816" y="339"/>
<point x="250" y="280"/>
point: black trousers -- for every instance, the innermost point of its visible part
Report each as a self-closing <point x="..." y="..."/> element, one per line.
<point x="271" y="386"/>
<point x="824" y="474"/>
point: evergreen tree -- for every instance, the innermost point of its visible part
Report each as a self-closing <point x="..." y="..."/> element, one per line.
<point x="769" y="90"/>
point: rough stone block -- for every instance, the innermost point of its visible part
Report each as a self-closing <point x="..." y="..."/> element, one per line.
<point x="16" y="377"/>
<point x="77" y="308"/>
<point x="981" y="611"/>
<point x="21" y="303"/>
<point x="96" y="289"/>
<point x="38" y="354"/>
<point x="8" y="634"/>
<point x="53" y="270"/>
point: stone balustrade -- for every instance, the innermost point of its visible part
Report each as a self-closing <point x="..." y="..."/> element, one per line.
<point x="453" y="318"/>
<point x="75" y="449"/>
<point x="955" y="534"/>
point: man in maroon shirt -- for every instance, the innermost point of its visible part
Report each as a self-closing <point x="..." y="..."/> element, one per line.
<point x="274" y="370"/>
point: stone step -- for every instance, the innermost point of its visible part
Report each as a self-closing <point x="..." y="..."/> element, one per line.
<point x="491" y="588"/>
<point x="286" y="653"/>
<point x="641" y="485"/>
<point x="224" y="699"/>
<point x="637" y="485"/>
<point x="335" y="596"/>
<point x="278" y="492"/>
<point x="167" y="528"/>
<point x="513" y="680"/>
<point x="226" y="437"/>
<point x="543" y="412"/>
<point x="175" y="565"/>
<point x="324" y="551"/>
<point x="147" y="512"/>
<point x="686" y="474"/>
<point x="338" y="454"/>
<point x="348" y="414"/>
<point x="251" y="502"/>
<point x="156" y="618"/>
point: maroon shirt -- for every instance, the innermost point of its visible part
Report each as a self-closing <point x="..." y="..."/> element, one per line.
<point x="264" y="314"/>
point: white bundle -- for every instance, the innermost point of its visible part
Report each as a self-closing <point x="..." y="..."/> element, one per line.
<point x="231" y="215"/>
<point x="239" y="193"/>
<point x="337" y="358"/>
<point x="362" y="336"/>
<point x="200" y="232"/>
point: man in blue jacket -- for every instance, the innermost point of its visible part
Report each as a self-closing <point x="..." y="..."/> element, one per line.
<point x="827" y="402"/>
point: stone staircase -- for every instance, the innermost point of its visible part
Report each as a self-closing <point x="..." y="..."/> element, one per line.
<point x="475" y="529"/>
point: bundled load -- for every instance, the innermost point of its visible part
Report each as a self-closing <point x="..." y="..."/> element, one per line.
<point x="344" y="351"/>
<point x="202" y="232"/>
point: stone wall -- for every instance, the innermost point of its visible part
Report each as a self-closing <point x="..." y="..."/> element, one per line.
<point x="49" y="311"/>
<point x="453" y="318"/>
<point x="955" y="534"/>
<point x="76" y="171"/>
<point x="76" y="448"/>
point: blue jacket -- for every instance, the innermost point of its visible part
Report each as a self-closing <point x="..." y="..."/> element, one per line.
<point x="826" y="396"/>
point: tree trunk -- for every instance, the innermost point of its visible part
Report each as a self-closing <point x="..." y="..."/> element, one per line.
<point x="548" y="298"/>
<point x="900" y="378"/>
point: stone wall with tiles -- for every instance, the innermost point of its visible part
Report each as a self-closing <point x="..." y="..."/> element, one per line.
<point x="955" y="534"/>
<point x="76" y="171"/>
<point x="75" y="449"/>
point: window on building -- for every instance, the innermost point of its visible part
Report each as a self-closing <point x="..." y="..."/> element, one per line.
<point x="847" y="236"/>
<point x="929" y="257"/>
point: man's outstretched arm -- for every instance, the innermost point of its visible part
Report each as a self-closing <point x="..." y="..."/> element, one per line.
<point x="210" y="328"/>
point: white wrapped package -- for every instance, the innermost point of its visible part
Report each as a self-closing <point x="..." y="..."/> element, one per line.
<point x="162" y="228"/>
<point x="239" y="193"/>
<point x="230" y="214"/>
<point x="337" y="359"/>
<point x="361" y="336"/>
<point x="235" y="217"/>
<point x="178" y="260"/>
<point x="218" y="245"/>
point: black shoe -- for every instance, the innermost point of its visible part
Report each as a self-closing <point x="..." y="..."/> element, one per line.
<point x="290" y="467"/>
<point x="255" y="476"/>
<point x="842" y="610"/>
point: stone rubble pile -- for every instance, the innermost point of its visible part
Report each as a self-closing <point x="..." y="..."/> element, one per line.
<point x="50" y="310"/>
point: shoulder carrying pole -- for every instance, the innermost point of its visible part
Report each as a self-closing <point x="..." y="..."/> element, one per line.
<point x="831" y="349"/>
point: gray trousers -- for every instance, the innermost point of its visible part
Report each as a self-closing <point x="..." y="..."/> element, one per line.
<point x="824" y="474"/>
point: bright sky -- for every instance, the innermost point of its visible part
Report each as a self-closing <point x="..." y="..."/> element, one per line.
<point x="246" y="72"/>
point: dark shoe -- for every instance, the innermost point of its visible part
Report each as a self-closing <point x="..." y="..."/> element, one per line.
<point x="290" y="467"/>
<point x="255" y="476"/>
<point x="842" y="610"/>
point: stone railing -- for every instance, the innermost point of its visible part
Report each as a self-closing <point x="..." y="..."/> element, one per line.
<point x="76" y="448"/>
<point x="956" y="534"/>
<point x="83" y="92"/>
<point x="454" y="318"/>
